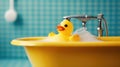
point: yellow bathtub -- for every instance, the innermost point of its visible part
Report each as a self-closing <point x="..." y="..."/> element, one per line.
<point x="71" y="54"/>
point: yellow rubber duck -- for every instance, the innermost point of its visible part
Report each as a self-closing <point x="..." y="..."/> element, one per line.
<point x="65" y="29"/>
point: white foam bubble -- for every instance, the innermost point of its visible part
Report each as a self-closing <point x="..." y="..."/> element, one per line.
<point x="85" y="35"/>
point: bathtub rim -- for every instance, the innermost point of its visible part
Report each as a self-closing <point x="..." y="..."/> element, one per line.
<point x="26" y="41"/>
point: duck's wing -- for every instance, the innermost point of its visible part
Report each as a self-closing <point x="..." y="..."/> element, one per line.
<point x="51" y="34"/>
<point x="74" y="38"/>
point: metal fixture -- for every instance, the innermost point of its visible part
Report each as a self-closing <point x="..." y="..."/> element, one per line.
<point x="85" y="18"/>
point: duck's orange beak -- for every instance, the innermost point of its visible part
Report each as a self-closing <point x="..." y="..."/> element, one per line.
<point x="60" y="28"/>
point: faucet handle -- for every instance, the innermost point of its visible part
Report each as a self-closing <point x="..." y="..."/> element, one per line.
<point x="67" y="17"/>
<point x="100" y="16"/>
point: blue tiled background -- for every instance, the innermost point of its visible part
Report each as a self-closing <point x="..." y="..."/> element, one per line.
<point x="39" y="17"/>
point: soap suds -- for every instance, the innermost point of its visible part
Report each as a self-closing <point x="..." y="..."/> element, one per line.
<point x="86" y="36"/>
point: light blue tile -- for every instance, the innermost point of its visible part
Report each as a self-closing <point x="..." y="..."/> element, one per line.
<point x="15" y="63"/>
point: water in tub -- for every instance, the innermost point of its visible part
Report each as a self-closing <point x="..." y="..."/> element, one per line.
<point x="85" y="35"/>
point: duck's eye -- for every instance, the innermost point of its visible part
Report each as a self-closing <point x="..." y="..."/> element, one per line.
<point x="66" y="25"/>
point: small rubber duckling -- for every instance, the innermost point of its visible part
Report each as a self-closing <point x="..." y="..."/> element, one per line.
<point x="65" y="29"/>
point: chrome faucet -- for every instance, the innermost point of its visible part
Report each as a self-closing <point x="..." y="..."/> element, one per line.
<point x="85" y="18"/>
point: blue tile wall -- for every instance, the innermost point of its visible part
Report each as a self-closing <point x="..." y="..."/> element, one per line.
<point x="39" y="17"/>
